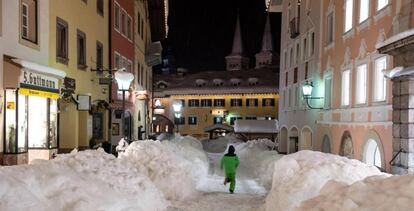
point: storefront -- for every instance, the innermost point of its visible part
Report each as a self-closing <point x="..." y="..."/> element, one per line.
<point x="31" y="111"/>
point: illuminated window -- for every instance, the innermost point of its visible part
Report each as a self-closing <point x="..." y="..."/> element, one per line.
<point x="381" y="4"/>
<point x="380" y="82"/>
<point x="349" y="10"/>
<point x="363" y="10"/>
<point x="361" y="84"/>
<point x="346" y="74"/>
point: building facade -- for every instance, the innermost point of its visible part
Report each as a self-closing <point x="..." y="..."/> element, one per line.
<point x="78" y="46"/>
<point x="299" y="65"/>
<point x="122" y="50"/>
<point x="29" y="86"/>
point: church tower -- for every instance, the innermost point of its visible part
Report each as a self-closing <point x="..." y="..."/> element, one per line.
<point x="266" y="57"/>
<point x="236" y="60"/>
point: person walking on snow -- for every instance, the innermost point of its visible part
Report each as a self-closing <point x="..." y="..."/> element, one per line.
<point x="230" y="162"/>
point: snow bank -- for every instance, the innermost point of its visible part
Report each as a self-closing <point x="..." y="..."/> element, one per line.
<point x="88" y="180"/>
<point x="300" y="176"/>
<point x="257" y="159"/>
<point x="372" y="193"/>
<point x="174" y="166"/>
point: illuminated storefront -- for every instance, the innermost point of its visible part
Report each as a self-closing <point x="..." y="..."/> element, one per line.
<point x="31" y="111"/>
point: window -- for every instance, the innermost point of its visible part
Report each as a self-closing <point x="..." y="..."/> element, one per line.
<point x="61" y="41"/>
<point x="361" y="84"/>
<point x="328" y="92"/>
<point x="297" y="53"/>
<point x="306" y="70"/>
<point x="291" y="57"/>
<point x="251" y="118"/>
<point x="233" y="119"/>
<point x="266" y="102"/>
<point x="123" y="22"/>
<point x="381" y="4"/>
<point x="142" y="28"/>
<point x="329" y="31"/>
<point x="139" y="24"/>
<point x="295" y="75"/>
<point x="206" y="102"/>
<point x="219" y="103"/>
<point x="100" y="7"/>
<point x="363" y="10"/>
<point x="285" y="60"/>
<point x="304" y="48"/>
<point x="380" y="82"/>
<point x="297" y="97"/>
<point x="252" y="102"/>
<point x="129" y="28"/>
<point x="81" y="43"/>
<point x="218" y="120"/>
<point x="236" y="103"/>
<point x="117" y="60"/>
<point x="117" y="17"/>
<point x="345" y="87"/>
<point x="99" y="55"/>
<point x="312" y="44"/>
<point x="193" y="103"/>
<point x="182" y="102"/>
<point x="286" y="78"/>
<point x="192" y="120"/>
<point x="29" y="20"/>
<point x="142" y="74"/>
<point x="349" y="5"/>
<point x="179" y="121"/>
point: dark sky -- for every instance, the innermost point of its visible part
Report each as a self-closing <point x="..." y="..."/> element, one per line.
<point x="201" y="32"/>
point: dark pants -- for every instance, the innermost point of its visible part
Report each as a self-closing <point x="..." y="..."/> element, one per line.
<point x="232" y="179"/>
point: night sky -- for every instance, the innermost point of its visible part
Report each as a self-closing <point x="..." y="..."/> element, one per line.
<point x="201" y="32"/>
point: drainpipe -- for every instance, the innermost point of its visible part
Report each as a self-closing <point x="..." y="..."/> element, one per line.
<point x="110" y="72"/>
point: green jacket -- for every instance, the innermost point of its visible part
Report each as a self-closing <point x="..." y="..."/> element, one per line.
<point x="230" y="164"/>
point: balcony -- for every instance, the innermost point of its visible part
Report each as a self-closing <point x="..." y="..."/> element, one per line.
<point x="294" y="27"/>
<point x="153" y="54"/>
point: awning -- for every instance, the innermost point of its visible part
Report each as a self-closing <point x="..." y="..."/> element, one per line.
<point x="40" y="68"/>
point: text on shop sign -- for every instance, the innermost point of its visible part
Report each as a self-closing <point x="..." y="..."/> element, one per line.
<point x="39" y="80"/>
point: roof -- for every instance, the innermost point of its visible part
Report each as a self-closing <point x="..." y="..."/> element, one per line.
<point x="252" y="81"/>
<point x="256" y="126"/>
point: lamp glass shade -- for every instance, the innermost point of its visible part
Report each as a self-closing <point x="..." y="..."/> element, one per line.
<point x="307" y="90"/>
<point x="123" y="79"/>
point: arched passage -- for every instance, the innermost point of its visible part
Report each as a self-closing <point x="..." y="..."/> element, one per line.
<point x="347" y="147"/>
<point x="372" y="153"/>
<point x="293" y="145"/>
<point x="282" y="148"/>
<point x="306" y="139"/>
<point x="326" y="144"/>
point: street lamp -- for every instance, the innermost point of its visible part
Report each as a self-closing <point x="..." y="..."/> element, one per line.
<point x="123" y="79"/>
<point x="307" y="94"/>
<point x="177" y="106"/>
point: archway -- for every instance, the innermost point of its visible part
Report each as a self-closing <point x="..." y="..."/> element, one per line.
<point x="283" y="141"/>
<point x="293" y="144"/>
<point x="306" y="139"/>
<point x="326" y="144"/>
<point x="372" y="153"/>
<point x="347" y="147"/>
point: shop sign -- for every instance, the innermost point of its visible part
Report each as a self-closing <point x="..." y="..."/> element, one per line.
<point x="38" y="93"/>
<point x="38" y="80"/>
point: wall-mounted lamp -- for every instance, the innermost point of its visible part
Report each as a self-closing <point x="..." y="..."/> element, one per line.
<point x="307" y="95"/>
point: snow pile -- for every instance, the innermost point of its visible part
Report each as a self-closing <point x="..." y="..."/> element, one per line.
<point x="300" y="176"/>
<point x="257" y="159"/>
<point x="88" y="180"/>
<point x="372" y="193"/>
<point x="173" y="166"/>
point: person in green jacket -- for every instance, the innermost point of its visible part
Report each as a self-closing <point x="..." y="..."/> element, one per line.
<point x="230" y="162"/>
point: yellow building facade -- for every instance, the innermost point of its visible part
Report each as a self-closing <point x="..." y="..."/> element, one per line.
<point x="78" y="44"/>
<point x="209" y="115"/>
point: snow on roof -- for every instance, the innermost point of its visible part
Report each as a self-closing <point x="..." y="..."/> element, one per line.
<point x="256" y="126"/>
<point x="219" y="126"/>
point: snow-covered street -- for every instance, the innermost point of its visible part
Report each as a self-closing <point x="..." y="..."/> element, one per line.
<point x="184" y="174"/>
